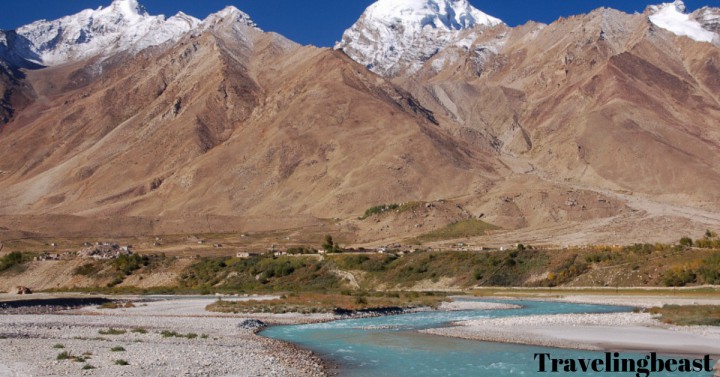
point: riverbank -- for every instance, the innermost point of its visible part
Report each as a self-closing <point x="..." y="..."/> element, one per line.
<point x="638" y="332"/>
<point x="158" y="338"/>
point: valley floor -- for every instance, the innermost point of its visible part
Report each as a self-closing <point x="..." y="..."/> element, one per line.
<point x="176" y="336"/>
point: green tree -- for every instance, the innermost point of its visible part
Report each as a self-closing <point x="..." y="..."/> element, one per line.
<point x="686" y="242"/>
<point x="328" y="245"/>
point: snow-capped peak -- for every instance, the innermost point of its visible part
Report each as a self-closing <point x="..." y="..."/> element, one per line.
<point x="443" y="14"/>
<point x="395" y="35"/>
<point x="124" y="25"/>
<point x="673" y="17"/>
<point x="229" y="14"/>
<point x="129" y="8"/>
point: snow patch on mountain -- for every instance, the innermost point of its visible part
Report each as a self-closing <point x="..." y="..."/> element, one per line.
<point x="673" y="17"/>
<point x="122" y="26"/>
<point x="395" y="36"/>
<point x="229" y="14"/>
<point x="125" y="25"/>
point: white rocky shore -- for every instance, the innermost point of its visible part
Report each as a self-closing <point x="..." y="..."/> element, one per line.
<point x="640" y="332"/>
<point x="475" y="305"/>
<point x="221" y="348"/>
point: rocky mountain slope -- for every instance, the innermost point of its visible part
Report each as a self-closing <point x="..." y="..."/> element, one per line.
<point x="597" y="128"/>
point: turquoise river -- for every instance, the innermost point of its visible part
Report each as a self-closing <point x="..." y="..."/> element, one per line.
<point x="391" y="345"/>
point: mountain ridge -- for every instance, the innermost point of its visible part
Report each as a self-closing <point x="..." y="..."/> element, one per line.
<point x="595" y="128"/>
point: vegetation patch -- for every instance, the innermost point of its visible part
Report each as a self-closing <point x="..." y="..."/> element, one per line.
<point x="688" y="315"/>
<point x="376" y="210"/>
<point x="705" y="272"/>
<point x="88" y="269"/>
<point x="258" y="274"/>
<point x="121" y="362"/>
<point x="116" y="305"/>
<point x="460" y="229"/>
<point x="125" y="265"/>
<point x="308" y="303"/>
<point x="710" y="240"/>
<point x="173" y="334"/>
<point x="14" y="261"/>
<point x="112" y="331"/>
<point x="117" y="349"/>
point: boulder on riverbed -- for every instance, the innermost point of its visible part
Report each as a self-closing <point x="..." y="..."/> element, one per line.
<point x="252" y="324"/>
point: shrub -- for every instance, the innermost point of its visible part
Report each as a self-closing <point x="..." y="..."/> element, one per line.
<point x="121" y="362"/>
<point x="88" y="367"/>
<point x="117" y="349"/>
<point x="11" y="260"/>
<point x="378" y="210"/>
<point x="330" y="246"/>
<point x="169" y="334"/>
<point x="679" y="278"/>
<point x="87" y="269"/>
<point x="301" y="250"/>
<point x="686" y="242"/>
<point x="129" y="263"/>
<point x="174" y="334"/>
<point x="139" y="330"/>
<point x="116" y="281"/>
<point x="112" y="331"/>
<point x="478" y="275"/>
<point x="709" y="272"/>
<point x="63" y="355"/>
<point x="59" y="346"/>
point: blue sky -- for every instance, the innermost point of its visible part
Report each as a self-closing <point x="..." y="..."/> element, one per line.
<point x="318" y="22"/>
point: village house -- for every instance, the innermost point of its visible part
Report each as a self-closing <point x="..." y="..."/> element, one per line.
<point x="105" y="251"/>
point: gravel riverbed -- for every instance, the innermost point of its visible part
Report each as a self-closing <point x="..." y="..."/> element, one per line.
<point x="152" y="342"/>
<point x="635" y="332"/>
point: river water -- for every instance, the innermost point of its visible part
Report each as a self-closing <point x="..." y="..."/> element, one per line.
<point x="391" y="345"/>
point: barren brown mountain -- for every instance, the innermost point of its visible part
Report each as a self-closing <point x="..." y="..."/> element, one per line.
<point x="597" y="128"/>
<point x="605" y="102"/>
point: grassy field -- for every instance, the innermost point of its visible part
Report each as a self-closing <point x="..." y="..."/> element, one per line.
<point x="460" y="229"/>
<point x="607" y="268"/>
<point x="328" y="303"/>
<point x="689" y="315"/>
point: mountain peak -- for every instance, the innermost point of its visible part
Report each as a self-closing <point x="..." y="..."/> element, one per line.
<point x="447" y="14"/>
<point x="673" y="17"/>
<point x="232" y="14"/>
<point x="124" y="25"/>
<point x="129" y="8"/>
<point x="397" y="35"/>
